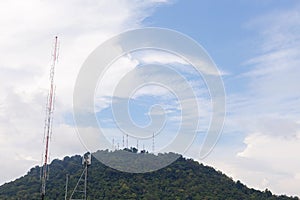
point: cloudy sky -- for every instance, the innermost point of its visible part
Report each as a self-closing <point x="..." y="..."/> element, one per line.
<point x="254" y="43"/>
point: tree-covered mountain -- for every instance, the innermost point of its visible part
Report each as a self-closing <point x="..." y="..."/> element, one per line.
<point x="183" y="179"/>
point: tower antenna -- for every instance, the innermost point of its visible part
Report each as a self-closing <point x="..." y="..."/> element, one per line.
<point x="153" y="143"/>
<point x="49" y="118"/>
<point x="86" y="162"/>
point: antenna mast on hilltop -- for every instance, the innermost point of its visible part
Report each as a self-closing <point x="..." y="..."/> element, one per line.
<point x="86" y="161"/>
<point x="153" y="143"/>
<point x="49" y="118"/>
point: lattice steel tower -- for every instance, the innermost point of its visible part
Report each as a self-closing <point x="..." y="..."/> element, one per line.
<point x="49" y="119"/>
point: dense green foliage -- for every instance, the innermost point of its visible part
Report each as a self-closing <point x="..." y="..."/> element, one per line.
<point x="183" y="179"/>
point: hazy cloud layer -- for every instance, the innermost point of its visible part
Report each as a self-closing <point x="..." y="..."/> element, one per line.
<point x="26" y="39"/>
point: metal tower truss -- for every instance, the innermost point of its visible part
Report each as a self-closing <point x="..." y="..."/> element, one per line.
<point x="49" y="120"/>
<point x="80" y="190"/>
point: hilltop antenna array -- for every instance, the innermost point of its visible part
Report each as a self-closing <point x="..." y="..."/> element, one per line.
<point x="49" y="118"/>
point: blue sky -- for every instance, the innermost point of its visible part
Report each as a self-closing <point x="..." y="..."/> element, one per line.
<point x="255" y="44"/>
<point x="220" y="27"/>
<point x="257" y="50"/>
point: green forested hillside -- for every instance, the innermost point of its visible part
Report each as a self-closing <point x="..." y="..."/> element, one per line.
<point x="184" y="179"/>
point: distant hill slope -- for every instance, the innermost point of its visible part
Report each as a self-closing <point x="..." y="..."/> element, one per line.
<point x="184" y="179"/>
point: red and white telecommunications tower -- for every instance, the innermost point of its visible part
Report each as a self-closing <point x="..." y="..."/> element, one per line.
<point x="49" y="119"/>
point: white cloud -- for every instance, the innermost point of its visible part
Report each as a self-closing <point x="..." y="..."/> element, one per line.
<point x="159" y="56"/>
<point x="279" y="156"/>
<point x="27" y="32"/>
<point x="109" y="81"/>
<point x="169" y="79"/>
<point x="263" y="162"/>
